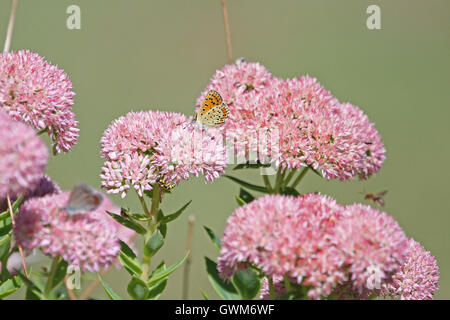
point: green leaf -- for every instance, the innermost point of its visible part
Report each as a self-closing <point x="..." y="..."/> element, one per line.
<point x="226" y="290"/>
<point x="15" y="206"/>
<point x="289" y="191"/>
<point x="6" y="229"/>
<point x="135" y="216"/>
<point x="5" y="245"/>
<point x="162" y="227"/>
<point x="239" y="201"/>
<point x="61" y="271"/>
<point x="129" y="260"/>
<point x="128" y="223"/>
<point x="248" y="185"/>
<point x="175" y="215"/>
<point x="155" y="290"/>
<point x="10" y="286"/>
<point x="247" y="283"/>
<point x="156" y="276"/>
<point x="33" y="289"/>
<point x="249" y="165"/>
<point x="110" y="292"/>
<point x="153" y="244"/>
<point x="246" y="196"/>
<point x="215" y="239"/>
<point x="205" y="296"/>
<point x="137" y="289"/>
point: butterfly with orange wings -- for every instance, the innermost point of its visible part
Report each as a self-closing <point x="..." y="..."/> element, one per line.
<point x="213" y="110"/>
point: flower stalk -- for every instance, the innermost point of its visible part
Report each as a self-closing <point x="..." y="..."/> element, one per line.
<point x="51" y="276"/>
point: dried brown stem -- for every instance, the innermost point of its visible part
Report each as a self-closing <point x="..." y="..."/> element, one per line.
<point x="227" y="30"/>
<point x="187" y="265"/>
<point x="9" y="32"/>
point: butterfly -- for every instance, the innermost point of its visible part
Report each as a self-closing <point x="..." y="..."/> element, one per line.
<point x="83" y="199"/>
<point x="376" y="197"/>
<point x="213" y="110"/>
<point x="166" y="186"/>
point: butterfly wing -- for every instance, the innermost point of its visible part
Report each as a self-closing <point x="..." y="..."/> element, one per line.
<point x="82" y="199"/>
<point x="213" y="111"/>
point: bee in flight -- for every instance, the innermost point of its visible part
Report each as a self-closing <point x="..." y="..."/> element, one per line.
<point x="213" y="110"/>
<point x="376" y="197"/>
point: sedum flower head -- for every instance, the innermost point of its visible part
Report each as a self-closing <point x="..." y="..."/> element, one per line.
<point x="283" y="235"/>
<point x="296" y="123"/>
<point x="142" y="147"/>
<point x="373" y="243"/>
<point x="417" y="278"/>
<point x="88" y="240"/>
<point x="40" y="94"/>
<point x="23" y="157"/>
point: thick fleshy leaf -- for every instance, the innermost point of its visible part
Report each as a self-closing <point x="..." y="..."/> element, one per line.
<point x="10" y="286"/>
<point x="5" y="245"/>
<point x="110" y="292"/>
<point x="4" y="215"/>
<point x="137" y="289"/>
<point x="248" y="185"/>
<point x="34" y="291"/>
<point x="214" y="238"/>
<point x="173" y="216"/>
<point x="129" y="260"/>
<point x="61" y="271"/>
<point x="225" y="290"/>
<point x="239" y="201"/>
<point x="289" y="191"/>
<point x="205" y="296"/>
<point x="247" y="283"/>
<point x="246" y="196"/>
<point x="249" y="165"/>
<point x="155" y="290"/>
<point x="156" y="276"/>
<point x="153" y="244"/>
<point x="162" y="227"/>
<point x="128" y="223"/>
<point x="135" y="216"/>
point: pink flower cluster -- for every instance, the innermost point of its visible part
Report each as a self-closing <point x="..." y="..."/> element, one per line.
<point x="38" y="93"/>
<point x="310" y="126"/>
<point x="417" y="278"/>
<point x="23" y="157"/>
<point x="88" y="240"/>
<point x="315" y="241"/>
<point x="142" y="147"/>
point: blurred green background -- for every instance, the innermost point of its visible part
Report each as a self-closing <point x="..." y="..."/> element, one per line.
<point x="141" y="55"/>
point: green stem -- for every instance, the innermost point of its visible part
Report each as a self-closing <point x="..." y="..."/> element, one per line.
<point x="278" y="181"/>
<point x="144" y="206"/>
<point x="267" y="183"/>
<point x="51" y="276"/>
<point x="271" y="288"/>
<point x="289" y="177"/>
<point x="287" y="283"/>
<point x="155" y="201"/>
<point x="151" y="228"/>
<point x="300" y="177"/>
